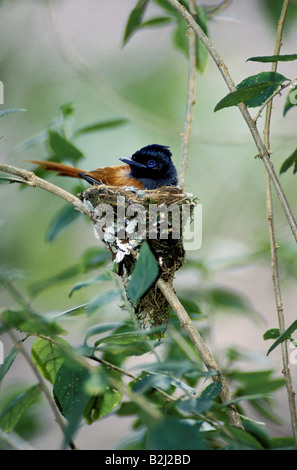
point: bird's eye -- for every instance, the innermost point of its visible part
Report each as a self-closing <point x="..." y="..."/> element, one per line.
<point x="151" y="163"/>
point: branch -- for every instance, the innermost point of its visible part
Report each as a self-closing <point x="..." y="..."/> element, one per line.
<point x="191" y="101"/>
<point x="263" y="152"/>
<point x="201" y="348"/>
<point x="29" y="178"/>
<point x="273" y="245"/>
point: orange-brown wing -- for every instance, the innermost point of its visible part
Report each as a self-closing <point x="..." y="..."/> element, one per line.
<point x="109" y="175"/>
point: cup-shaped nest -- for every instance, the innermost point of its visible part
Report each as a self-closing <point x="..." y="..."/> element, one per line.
<point x="126" y="217"/>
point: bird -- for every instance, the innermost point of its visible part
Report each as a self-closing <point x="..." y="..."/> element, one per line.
<point x="150" y="167"/>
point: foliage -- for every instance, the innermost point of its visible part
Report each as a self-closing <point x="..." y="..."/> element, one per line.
<point x="173" y="401"/>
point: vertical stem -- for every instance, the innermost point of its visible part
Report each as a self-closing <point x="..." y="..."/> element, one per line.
<point x="191" y="100"/>
<point x="202" y="349"/>
<point x="273" y="244"/>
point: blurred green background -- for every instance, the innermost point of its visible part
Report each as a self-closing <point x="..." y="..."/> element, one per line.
<point x="52" y="53"/>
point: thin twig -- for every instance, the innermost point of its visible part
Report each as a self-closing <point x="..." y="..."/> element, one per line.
<point x="263" y="152"/>
<point x="273" y="244"/>
<point x="201" y="348"/>
<point x="277" y="92"/>
<point x="191" y="101"/>
<point x="42" y="384"/>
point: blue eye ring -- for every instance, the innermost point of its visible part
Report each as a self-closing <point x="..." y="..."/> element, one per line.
<point x="151" y="163"/>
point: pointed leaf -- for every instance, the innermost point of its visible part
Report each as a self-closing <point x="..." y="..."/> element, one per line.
<point x="100" y="126"/>
<point x="155" y="21"/>
<point x="69" y="392"/>
<point x="144" y="273"/>
<point x="30" y="322"/>
<point x="68" y="273"/>
<point x="48" y="357"/>
<point x="61" y="221"/>
<point x="172" y="434"/>
<point x="8" y="361"/>
<point x="285" y="335"/>
<point x="242" y="96"/>
<point x="273" y="58"/>
<point x="15" y="409"/>
<point x="290" y="161"/>
<point x="253" y="91"/>
<point x="63" y="149"/>
<point x="5" y="112"/>
<point x="104" y="276"/>
<point x="134" y="19"/>
<point x="264" y="77"/>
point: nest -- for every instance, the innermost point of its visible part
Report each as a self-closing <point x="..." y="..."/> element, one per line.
<point x="160" y="221"/>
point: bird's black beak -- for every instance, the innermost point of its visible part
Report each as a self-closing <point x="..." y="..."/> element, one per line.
<point x="132" y="162"/>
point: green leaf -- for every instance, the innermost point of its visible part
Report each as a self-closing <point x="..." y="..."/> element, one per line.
<point x="241" y="440"/>
<point x="144" y="273"/>
<point x="174" y="434"/>
<point x="271" y="334"/>
<point x="14" y="410"/>
<point x="134" y="19"/>
<point x="127" y="343"/>
<point x="291" y="100"/>
<point x="264" y="77"/>
<point x="106" y="399"/>
<point x="98" y="329"/>
<point x="48" y="357"/>
<point x="8" y="361"/>
<point x="228" y="299"/>
<point x="67" y="109"/>
<point x="204" y="402"/>
<point x="191" y="306"/>
<point x="102" y="300"/>
<point x="100" y="126"/>
<point x="241" y="96"/>
<point x="155" y="21"/>
<point x="290" y="161"/>
<point x="273" y="58"/>
<point x="69" y="391"/>
<point x="103" y="276"/>
<point x="285" y="335"/>
<point x="63" y="149"/>
<point x="94" y="258"/>
<point x="167" y="7"/>
<point x="62" y="219"/>
<point x="73" y="312"/>
<point x="30" y="322"/>
<point x="65" y="275"/>
<point x="163" y="381"/>
<point x="253" y="91"/>
<point x="211" y="392"/>
<point x="257" y="382"/>
<point x="5" y="112"/>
